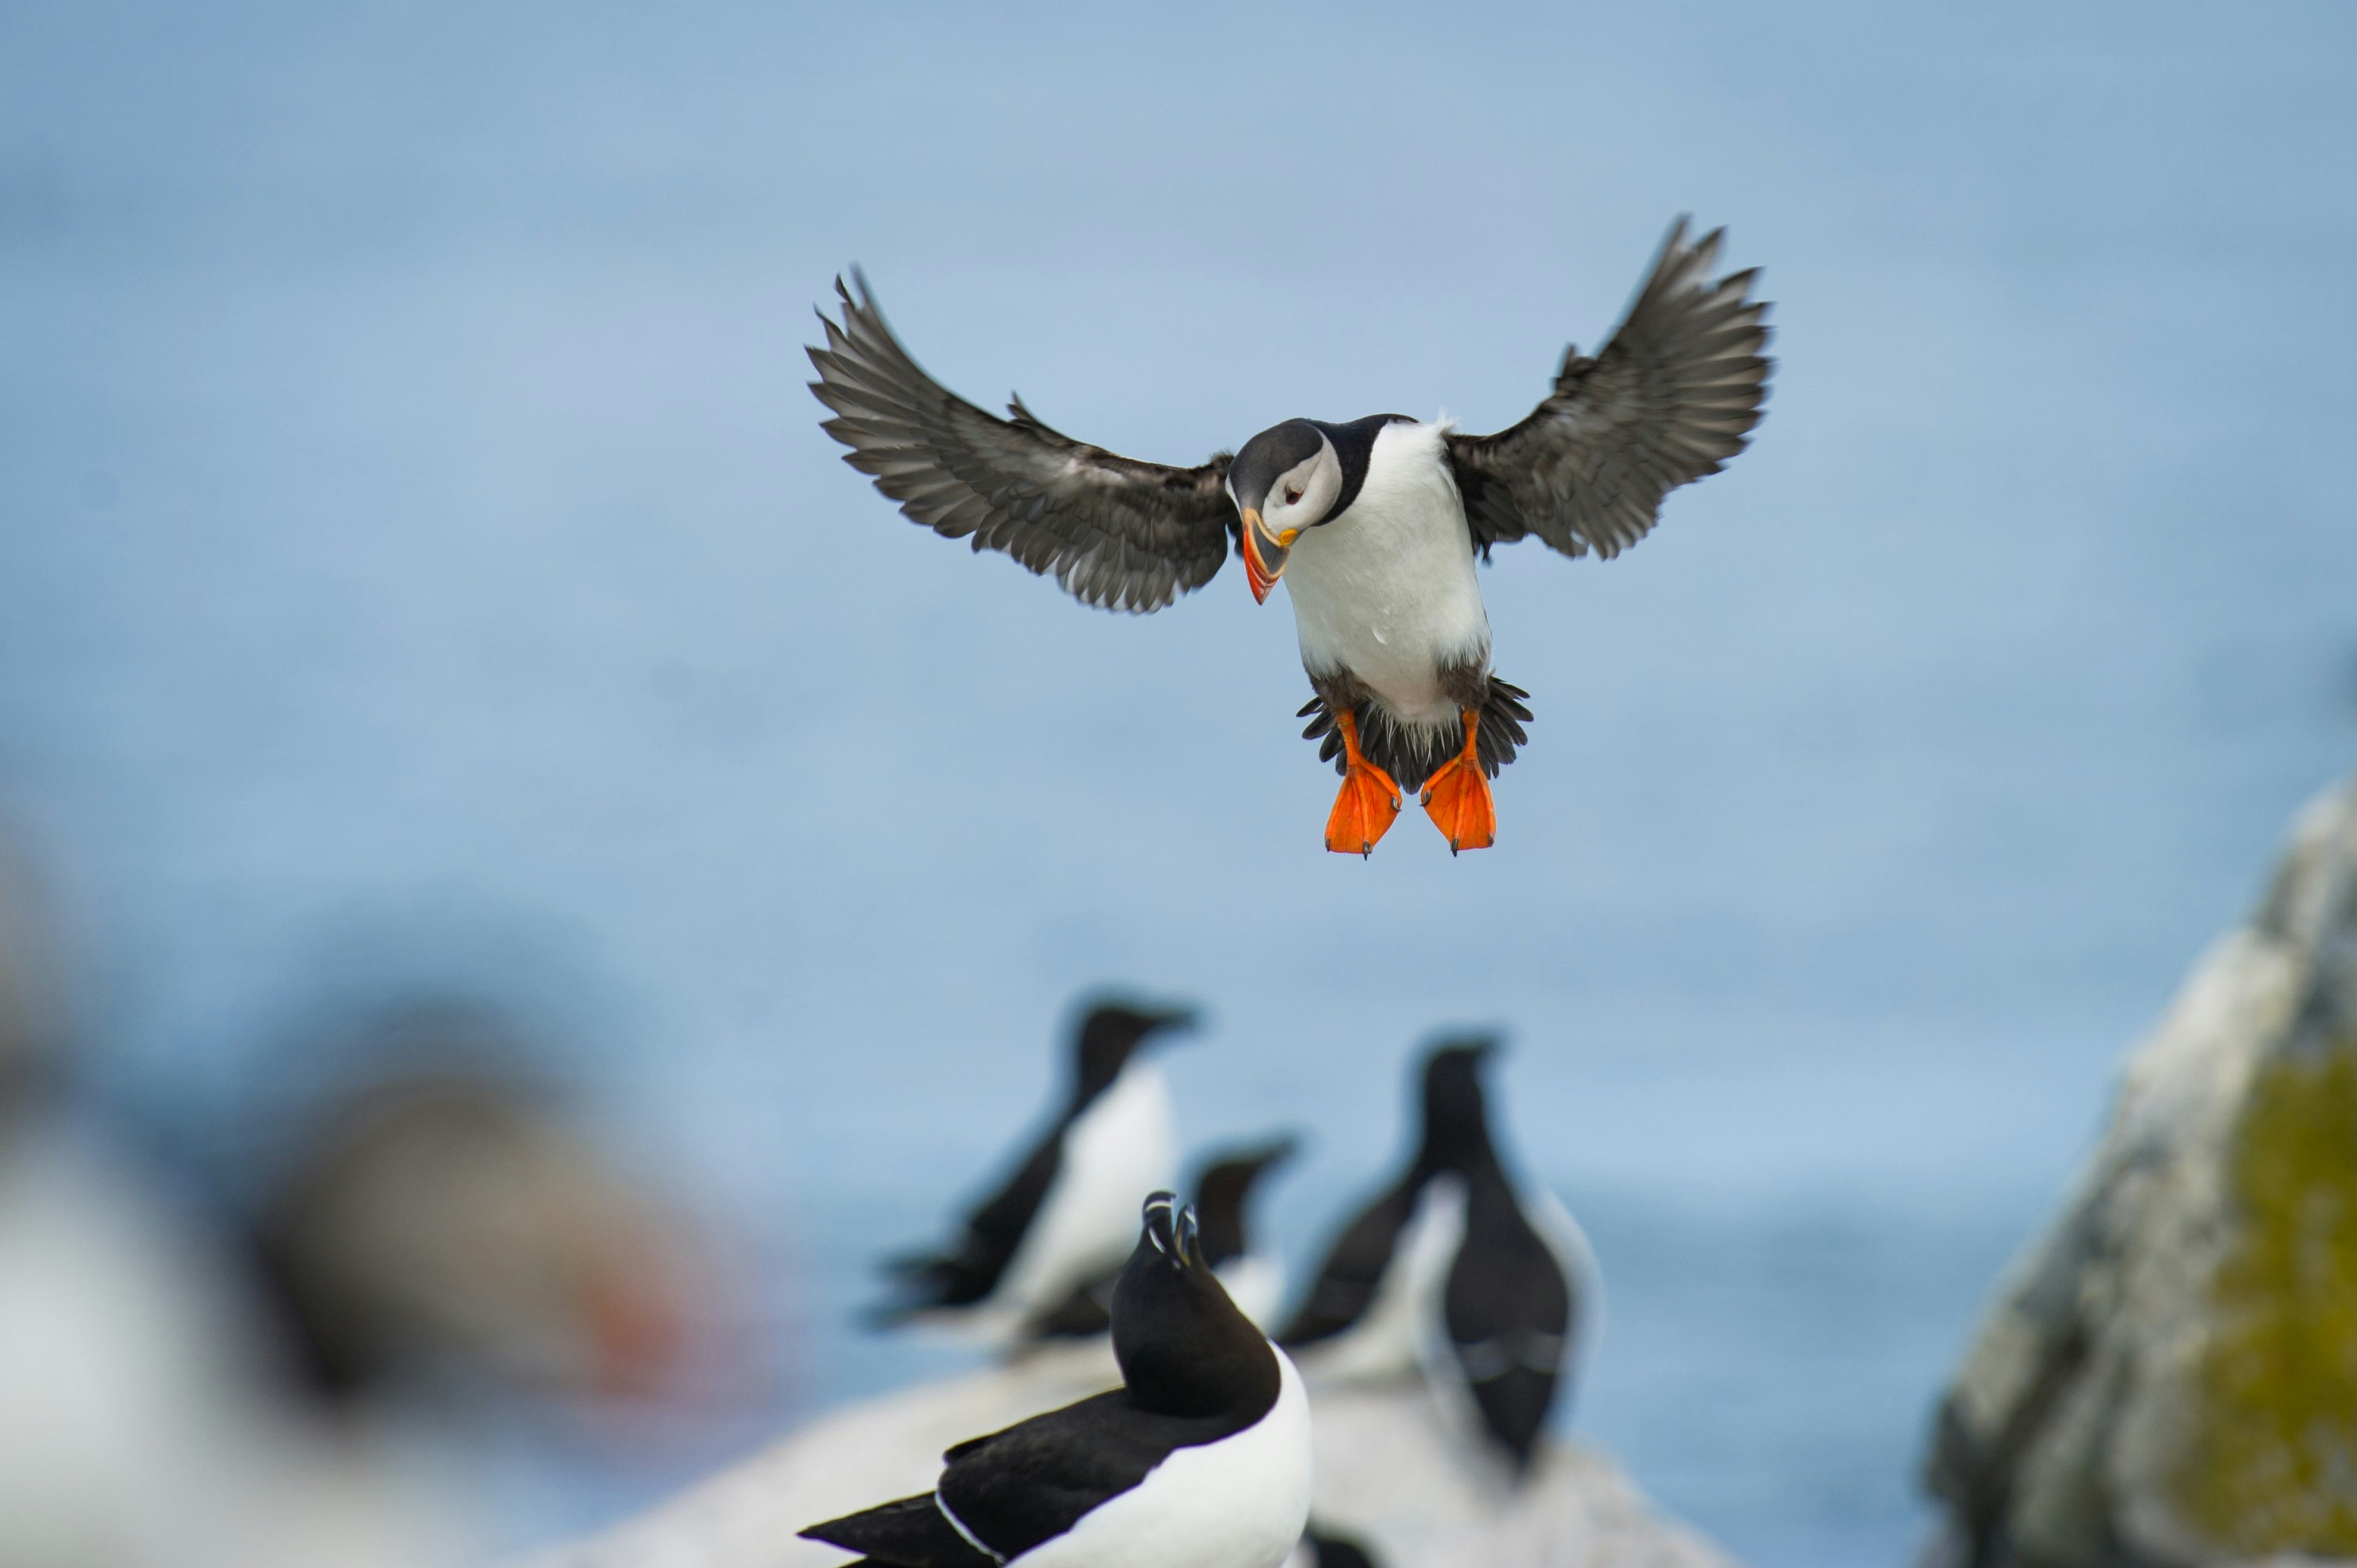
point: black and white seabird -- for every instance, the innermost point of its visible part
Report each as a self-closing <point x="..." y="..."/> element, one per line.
<point x="1452" y="1270"/>
<point x="1200" y="1460"/>
<point x="1254" y="1279"/>
<point x="1373" y="523"/>
<point x="1320" y="1548"/>
<point x="1067" y="1216"/>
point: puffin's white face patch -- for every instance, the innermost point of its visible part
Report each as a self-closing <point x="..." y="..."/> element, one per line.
<point x="1304" y="493"/>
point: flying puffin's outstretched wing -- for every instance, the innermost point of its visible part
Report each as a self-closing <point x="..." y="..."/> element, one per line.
<point x="1670" y="399"/>
<point x="1117" y="532"/>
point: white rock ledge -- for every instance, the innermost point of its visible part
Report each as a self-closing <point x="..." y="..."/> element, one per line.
<point x="1389" y="1473"/>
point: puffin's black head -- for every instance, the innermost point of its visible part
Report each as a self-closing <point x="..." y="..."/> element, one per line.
<point x="1456" y="1114"/>
<point x="1184" y="1349"/>
<point x="1285" y="479"/>
<point x="1110" y="1035"/>
<point x="1223" y="1188"/>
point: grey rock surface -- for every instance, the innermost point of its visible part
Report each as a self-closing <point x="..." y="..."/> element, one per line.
<point x="2169" y="1376"/>
<point x="1393" y="1471"/>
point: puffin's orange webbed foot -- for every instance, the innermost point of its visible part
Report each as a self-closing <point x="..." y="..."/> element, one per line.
<point x="1456" y="798"/>
<point x="1369" y="802"/>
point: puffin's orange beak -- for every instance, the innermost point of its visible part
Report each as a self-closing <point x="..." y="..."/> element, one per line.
<point x="1264" y="554"/>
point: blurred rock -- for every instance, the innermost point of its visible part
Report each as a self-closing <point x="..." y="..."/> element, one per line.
<point x="2170" y="1375"/>
<point x="1391" y="1471"/>
<point x="1399" y="1471"/>
<point x="843" y="1461"/>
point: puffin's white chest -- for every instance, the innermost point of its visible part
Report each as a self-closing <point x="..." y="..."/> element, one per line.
<point x="1386" y="590"/>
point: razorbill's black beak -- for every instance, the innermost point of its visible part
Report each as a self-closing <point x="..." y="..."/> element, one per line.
<point x="1171" y="1230"/>
<point x="1265" y="553"/>
<point x="1163" y="1022"/>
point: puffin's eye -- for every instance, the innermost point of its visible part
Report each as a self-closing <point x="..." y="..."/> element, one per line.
<point x="1291" y="495"/>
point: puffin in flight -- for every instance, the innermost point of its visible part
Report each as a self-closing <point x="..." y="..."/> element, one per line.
<point x="1373" y="525"/>
<point x="1200" y="1459"/>
<point x="1066" y="1215"/>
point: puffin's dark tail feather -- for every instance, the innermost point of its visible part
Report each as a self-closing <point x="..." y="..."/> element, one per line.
<point x="1411" y="755"/>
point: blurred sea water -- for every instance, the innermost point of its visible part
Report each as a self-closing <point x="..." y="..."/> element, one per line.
<point x="420" y="571"/>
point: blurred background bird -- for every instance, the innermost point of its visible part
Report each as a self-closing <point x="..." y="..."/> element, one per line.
<point x="1065" y="1217"/>
<point x="266" y="1382"/>
<point x="1253" y="1276"/>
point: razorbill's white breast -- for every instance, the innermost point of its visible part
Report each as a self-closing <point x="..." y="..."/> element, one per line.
<point x="1066" y="1216"/>
<point x="1201" y="1459"/>
<point x="1374" y="522"/>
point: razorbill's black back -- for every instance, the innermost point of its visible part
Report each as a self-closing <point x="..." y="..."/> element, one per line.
<point x="1375" y="524"/>
<point x="1508" y="1304"/>
<point x="1221" y="1194"/>
<point x="1452" y="1239"/>
<point x="1064" y="1216"/>
<point x="1200" y="1460"/>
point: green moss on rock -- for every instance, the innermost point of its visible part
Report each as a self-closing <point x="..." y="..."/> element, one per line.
<point x="2272" y="1463"/>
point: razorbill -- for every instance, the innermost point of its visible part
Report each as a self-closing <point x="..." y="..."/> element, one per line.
<point x="1374" y="523"/>
<point x="1451" y="1271"/>
<point x="1320" y="1548"/>
<point x="1200" y="1460"/>
<point x="1254" y="1279"/>
<point x="1064" y="1218"/>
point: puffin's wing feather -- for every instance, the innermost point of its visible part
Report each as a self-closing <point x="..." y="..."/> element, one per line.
<point x="1115" y="533"/>
<point x="1671" y="398"/>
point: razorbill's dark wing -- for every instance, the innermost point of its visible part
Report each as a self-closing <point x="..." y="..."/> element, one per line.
<point x="1347" y="1279"/>
<point x="910" y="1532"/>
<point x="1115" y="533"/>
<point x="1670" y="399"/>
<point x="1507" y="1308"/>
<point x="1109" y="1035"/>
<point x="1327" y="1551"/>
<point x="992" y="1233"/>
<point x="1013" y="1489"/>
<point x="1088" y="1311"/>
